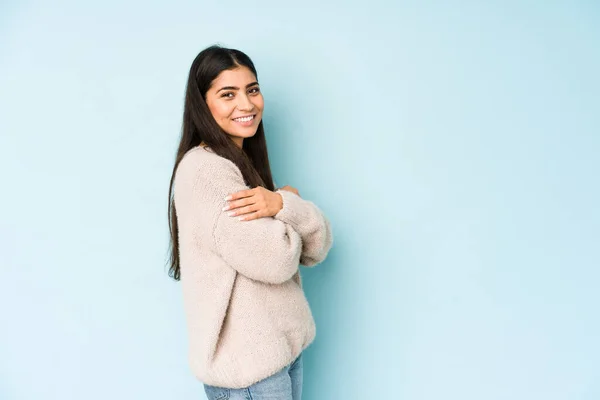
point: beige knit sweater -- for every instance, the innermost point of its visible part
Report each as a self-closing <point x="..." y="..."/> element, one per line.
<point x="247" y="316"/>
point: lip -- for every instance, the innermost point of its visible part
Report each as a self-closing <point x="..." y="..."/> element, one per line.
<point x="244" y="116"/>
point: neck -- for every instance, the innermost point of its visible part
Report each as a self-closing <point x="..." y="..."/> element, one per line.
<point x="239" y="142"/>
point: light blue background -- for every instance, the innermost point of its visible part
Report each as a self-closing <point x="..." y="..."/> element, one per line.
<point x="454" y="146"/>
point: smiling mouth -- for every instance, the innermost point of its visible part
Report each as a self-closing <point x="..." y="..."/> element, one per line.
<point x="244" y="119"/>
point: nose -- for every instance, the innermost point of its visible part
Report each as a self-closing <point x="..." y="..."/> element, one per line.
<point x="245" y="104"/>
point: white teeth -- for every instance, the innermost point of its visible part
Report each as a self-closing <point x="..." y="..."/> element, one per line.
<point x="245" y="119"/>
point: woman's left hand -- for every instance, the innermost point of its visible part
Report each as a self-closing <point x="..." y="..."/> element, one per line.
<point x="253" y="204"/>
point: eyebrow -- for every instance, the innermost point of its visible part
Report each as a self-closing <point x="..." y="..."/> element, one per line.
<point x="237" y="88"/>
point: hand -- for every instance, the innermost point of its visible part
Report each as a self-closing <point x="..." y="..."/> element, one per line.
<point x="290" y="189"/>
<point x="253" y="204"/>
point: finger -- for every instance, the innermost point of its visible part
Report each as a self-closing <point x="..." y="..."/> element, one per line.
<point x="233" y="204"/>
<point x="251" y="216"/>
<point x="243" y="210"/>
<point x="241" y="194"/>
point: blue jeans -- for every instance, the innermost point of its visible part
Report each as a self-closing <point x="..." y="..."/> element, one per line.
<point x="284" y="385"/>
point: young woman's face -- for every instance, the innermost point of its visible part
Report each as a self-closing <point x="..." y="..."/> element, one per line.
<point x="236" y="103"/>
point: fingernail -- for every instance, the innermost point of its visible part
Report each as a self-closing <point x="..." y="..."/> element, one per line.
<point x="225" y="208"/>
<point x="231" y="213"/>
<point x="228" y="198"/>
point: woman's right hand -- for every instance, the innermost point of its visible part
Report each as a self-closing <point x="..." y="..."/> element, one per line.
<point x="290" y="189"/>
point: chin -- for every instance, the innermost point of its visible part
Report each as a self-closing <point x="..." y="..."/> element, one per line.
<point x="245" y="135"/>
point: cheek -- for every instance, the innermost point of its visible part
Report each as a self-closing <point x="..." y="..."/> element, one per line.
<point x="259" y="102"/>
<point x="221" y="111"/>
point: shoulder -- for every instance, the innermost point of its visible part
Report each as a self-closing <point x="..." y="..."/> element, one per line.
<point x="202" y="167"/>
<point x="201" y="161"/>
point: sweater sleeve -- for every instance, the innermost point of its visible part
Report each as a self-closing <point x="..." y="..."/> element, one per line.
<point x="263" y="249"/>
<point x="312" y="225"/>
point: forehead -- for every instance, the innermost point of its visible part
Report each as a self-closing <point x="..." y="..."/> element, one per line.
<point x="239" y="77"/>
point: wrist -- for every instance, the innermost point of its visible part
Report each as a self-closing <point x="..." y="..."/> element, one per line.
<point x="279" y="202"/>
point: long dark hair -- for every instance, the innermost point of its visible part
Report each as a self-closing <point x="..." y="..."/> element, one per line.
<point x="200" y="126"/>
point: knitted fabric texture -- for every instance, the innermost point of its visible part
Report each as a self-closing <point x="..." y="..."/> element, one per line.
<point x="247" y="315"/>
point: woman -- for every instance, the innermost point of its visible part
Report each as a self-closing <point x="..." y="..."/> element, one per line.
<point x="237" y="242"/>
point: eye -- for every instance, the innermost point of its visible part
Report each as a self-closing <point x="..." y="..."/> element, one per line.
<point x="254" y="90"/>
<point x="227" y="95"/>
